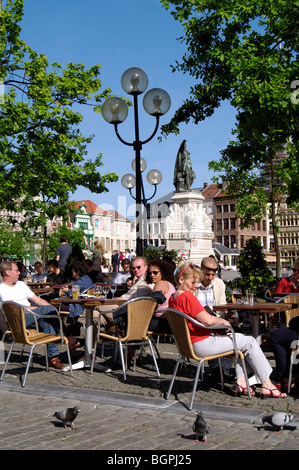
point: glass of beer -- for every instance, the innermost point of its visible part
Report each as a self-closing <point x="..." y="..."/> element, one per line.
<point x="75" y="292"/>
<point x="237" y="293"/>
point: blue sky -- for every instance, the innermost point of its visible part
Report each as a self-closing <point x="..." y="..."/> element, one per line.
<point x="119" y="34"/>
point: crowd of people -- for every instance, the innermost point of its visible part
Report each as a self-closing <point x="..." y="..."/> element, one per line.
<point x="193" y="290"/>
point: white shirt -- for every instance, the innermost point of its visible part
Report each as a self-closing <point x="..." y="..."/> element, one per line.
<point x="19" y="293"/>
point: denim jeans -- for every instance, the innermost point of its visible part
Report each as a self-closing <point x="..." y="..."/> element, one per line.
<point x="50" y="325"/>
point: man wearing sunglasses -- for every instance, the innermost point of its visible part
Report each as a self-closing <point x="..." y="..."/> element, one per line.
<point x="140" y="287"/>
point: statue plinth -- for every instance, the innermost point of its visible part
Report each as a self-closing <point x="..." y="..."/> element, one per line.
<point x="187" y="227"/>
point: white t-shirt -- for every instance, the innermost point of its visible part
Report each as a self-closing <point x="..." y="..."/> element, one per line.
<point x="19" y="293"/>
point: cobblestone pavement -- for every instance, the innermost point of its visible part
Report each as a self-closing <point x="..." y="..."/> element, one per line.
<point x="134" y="415"/>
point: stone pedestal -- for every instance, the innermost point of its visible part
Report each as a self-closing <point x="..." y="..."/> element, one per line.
<point x="188" y="228"/>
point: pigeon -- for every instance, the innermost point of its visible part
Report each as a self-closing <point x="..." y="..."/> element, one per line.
<point x="278" y="420"/>
<point x="201" y="428"/>
<point x="68" y="416"/>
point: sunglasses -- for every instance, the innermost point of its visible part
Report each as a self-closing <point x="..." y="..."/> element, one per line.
<point x="209" y="269"/>
<point x="136" y="267"/>
<point x="154" y="272"/>
<point x="296" y="270"/>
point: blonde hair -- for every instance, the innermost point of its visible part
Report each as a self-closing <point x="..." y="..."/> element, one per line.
<point x="99" y="246"/>
<point x="184" y="271"/>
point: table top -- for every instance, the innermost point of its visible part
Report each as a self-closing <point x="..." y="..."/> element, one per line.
<point x="34" y="285"/>
<point x="43" y="290"/>
<point x="88" y="301"/>
<point x="262" y="307"/>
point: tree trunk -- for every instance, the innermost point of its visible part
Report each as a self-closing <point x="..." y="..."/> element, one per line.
<point x="45" y="246"/>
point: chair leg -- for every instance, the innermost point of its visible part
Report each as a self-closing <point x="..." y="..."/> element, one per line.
<point x="93" y="357"/>
<point x="121" y="351"/>
<point x="7" y="359"/>
<point x="246" y="378"/>
<point x="173" y="376"/>
<point x="28" y="365"/>
<point x="221" y="373"/>
<point x="195" y="383"/>
<point x="154" y="357"/>
<point x="70" y="360"/>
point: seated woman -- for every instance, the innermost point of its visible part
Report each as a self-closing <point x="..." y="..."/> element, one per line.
<point x="81" y="279"/>
<point x="206" y="343"/>
<point x="160" y="273"/>
<point x="290" y="284"/>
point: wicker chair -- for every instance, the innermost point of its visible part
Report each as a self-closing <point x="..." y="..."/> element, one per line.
<point x="178" y="323"/>
<point x="139" y="314"/>
<point x="15" y="318"/>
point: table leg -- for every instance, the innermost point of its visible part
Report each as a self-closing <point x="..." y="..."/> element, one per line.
<point x="86" y="362"/>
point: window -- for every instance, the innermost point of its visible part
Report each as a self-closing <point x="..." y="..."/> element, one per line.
<point x="225" y="224"/>
<point x="232" y="224"/>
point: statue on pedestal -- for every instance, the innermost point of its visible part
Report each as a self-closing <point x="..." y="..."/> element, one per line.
<point x="183" y="173"/>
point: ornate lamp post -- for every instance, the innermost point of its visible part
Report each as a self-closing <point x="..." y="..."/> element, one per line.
<point x="156" y="102"/>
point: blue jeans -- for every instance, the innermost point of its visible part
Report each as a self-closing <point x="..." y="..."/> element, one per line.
<point x="50" y="325"/>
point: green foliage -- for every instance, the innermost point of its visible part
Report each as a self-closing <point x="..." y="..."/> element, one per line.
<point x="13" y="242"/>
<point x="42" y="151"/>
<point x="253" y="269"/>
<point x="74" y="236"/>
<point x="154" y="253"/>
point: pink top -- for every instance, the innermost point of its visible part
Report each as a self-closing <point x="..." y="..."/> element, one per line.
<point x="164" y="306"/>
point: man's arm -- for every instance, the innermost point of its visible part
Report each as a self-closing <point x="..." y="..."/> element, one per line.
<point x="37" y="301"/>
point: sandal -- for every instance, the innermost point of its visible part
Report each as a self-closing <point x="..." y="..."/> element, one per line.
<point x="271" y="394"/>
<point x="241" y="391"/>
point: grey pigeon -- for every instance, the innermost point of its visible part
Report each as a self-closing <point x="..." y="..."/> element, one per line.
<point x="201" y="428"/>
<point x="68" y="416"/>
<point x="278" y="420"/>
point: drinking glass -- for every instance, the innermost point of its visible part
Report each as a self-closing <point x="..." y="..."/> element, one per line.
<point x="75" y="292"/>
<point x="97" y="290"/>
<point x="113" y="288"/>
<point x="105" y="291"/>
<point x="237" y="293"/>
<point x="250" y="296"/>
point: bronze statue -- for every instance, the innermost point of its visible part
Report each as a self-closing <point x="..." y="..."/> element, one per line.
<point x="183" y="173"/>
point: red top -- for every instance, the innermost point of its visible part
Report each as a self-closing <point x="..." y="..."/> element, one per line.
<point x="286" y="285"/>
<point x="187" y="303"/>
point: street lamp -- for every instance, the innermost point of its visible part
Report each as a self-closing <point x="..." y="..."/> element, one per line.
<point x="156" y="102"/>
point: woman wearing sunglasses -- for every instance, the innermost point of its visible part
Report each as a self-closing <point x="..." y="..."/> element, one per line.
<point x="206" y="343"/>
<point x="160" y="273"/>
<point x="290" y="285"/>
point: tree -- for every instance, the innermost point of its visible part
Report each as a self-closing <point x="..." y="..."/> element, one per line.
<point x="42" y="151"/>
<point x="245" y="53"/>
<point x="253" y="269"/>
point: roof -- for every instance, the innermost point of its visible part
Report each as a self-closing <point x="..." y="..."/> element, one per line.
<point x="211" y="191"/>
<point x="91" y="207"/>
<point x="224" y="250"/>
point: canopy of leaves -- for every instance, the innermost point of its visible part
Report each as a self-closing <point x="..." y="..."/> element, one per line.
<point x="42" y="151"/>
<point x="245" y="53"/>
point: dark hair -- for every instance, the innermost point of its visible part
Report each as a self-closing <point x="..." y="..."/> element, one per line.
<point x="165" y="267"/>
<point x="62" y="238"/>
<point x="80" y="267"/>
<point x="52" y="262"/>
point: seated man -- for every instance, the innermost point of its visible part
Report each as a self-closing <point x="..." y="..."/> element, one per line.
<point x="121" y="276"/>
<point x="40" y="275"/>
<point x="17" y="291"/>
<point x="139" y="288"/>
